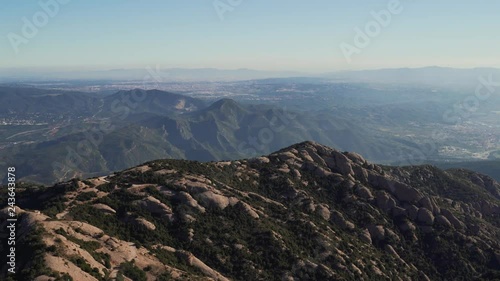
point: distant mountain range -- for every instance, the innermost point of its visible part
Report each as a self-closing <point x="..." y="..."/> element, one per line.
<point x="56" y="135"/>
<point x="487" y="167"/>
<point x="147" y="74"/>
<point x="433" y="75"/>
<point x="97" y="135"/>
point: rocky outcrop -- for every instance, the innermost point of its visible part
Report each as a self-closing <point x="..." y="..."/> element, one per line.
<point x="323" y="211"/>
<point x="339" y="220"/>
<point x="366" y="236"/>
<point x="247" y="209"/>
<point x="430" y="205"/>
<point x="412" y="212"/>
<point x="186" y="199"/>
<point x="407" y="226"/>
<point x="363" y="192"/>
<point x="305" y="212"/>
<point x="452" y="219"/>
<point x="156" y="207"/>
<point x="142" y="222"/>
<point x="404" y="192"/>
<point x="210" y="199"/>
<point x="104" y="208"/>
<point x="191" y="260"/>
<point x="385" y="201"/>
<point x="377" y="232"/>
<point x="339" y="163"/>
<point x="425" y="216"/>
<point x="442" y="220"/>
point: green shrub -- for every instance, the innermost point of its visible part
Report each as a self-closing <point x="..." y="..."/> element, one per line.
<point x="133" y="272"/>
<point x="85" y="196"/>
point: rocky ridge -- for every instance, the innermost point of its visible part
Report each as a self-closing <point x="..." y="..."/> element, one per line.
<point x="306" y="212"/>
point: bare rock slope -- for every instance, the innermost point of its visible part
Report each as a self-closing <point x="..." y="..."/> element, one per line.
<point x="307" y="212"/>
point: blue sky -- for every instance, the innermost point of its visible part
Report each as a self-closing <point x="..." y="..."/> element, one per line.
<point x="258" y="34"/>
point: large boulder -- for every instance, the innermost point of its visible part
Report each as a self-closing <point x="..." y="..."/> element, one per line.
<point x="339" y="163"/>
<point x="365" y="236"/>
<point x="356" y="158"/>
<point x="104" y="208"/>
<point x="360" y="173"/>
<point x="412" y="212"/>
<point x="385" y="201"/>
<point x="312" y="153"/>
<point x="363" y="192"/>
<point x="211" y="199"/>
<point x="425" y="216"/>
<point x="452" y="219"/>
<point x="442" y="220"/>
<point x="191" y="260"/>
<point x="323" y="211"/>
<point x="398" y="212"/>
<point x="377" y="232"/>
<point x="187" y="199"/>
<point x="142" y="222"/>
<point x="339" y="220"/>
<point x="156" y="207"/>
<point x="247" y="209"/>
<point x="429" y="204"/>
<point x="404" y="192"/>
<point x="407" y="226"/>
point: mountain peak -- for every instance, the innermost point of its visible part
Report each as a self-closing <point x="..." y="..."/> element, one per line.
<point x="308" y="144"/>
<point x="152" y="101"/>
<point x="306" y="209"/>
<point x="226" y="106"/>
<point x="225" y="102"/>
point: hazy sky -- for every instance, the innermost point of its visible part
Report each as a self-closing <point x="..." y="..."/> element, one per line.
<point x="259" y="34"/>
